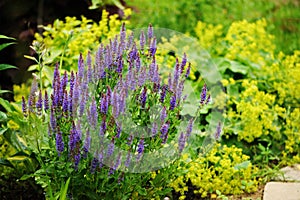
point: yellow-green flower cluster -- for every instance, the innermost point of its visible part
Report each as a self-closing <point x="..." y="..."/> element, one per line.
<point x="224" y="168"/>
<point x="69" y="38"/>
<point x="254" y="114"/>
<point x="249" y="42"/>
<point x="243" y="41"/>
<point x="208" y="34"/>
<point x="285" y="77"/>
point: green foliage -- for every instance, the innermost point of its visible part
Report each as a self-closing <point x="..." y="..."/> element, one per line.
<point x="283" y="16"/>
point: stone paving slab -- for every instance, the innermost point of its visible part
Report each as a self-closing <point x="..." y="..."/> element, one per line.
<point x="291" y="173"/>
<point x="282" y="191"/>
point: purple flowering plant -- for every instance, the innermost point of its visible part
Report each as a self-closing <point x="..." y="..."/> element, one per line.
<point x="112" y="121"/>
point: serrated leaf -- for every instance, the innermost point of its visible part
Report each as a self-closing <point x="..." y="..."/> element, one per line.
<point x="7" y="66"/>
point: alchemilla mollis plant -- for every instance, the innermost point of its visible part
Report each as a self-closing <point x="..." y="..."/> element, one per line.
<point x="104" y="128"/>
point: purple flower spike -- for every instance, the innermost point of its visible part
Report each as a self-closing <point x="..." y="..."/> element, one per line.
<point x="154" y="129"/>
<point x="102" y="127"/>
<point x="208" y="99"/>
<point x="77" y="158"/>
<point x="46" y="101"/>
<point x="188" y="71"/>
<point x="130" y="139"/>
<point x="108" y="94"/>
<point x="133" y="53"/>
<point x="39" y="103"/>
<point x="183" y="62"/>
<point x="93" y="117"/>
<point x="89" y="64"/>
<point x="152" y="49"/>
<point x="65" y="102"/>
<point x="177" y="72"/>
<point x="72" y="82"/>
<point x="172" y="102"/>
<point x="140" y="149"/>
<point x="128" y="159"/>
<point x="87" y="144"/>
<point x="123" y="36"/>
<point x="189" y="128"/>
<point x="164" y="131"/>
<point x="163" y="93"/>
<point x="80" y="67"/>
<point x="56" y="75"/>
<point x="218" y="131"/>
<point x="143" y="97"/>
<point x="142" y="41"/>
<point x="130" y="40"/>
<point x="170" y="83"/>
<point x="100" y="159"/>
<point x="74" y="138"/>
<point x="104" y="104"/>
<point x="59" y="142"/>
<point x="142" y="77"/>
<point x="118" y="130"/>
<point x="118" y="162"/>
<point x="82" y="103"/>
<point x="150" y="31"/>
<point x="179" y="90"/>
<point x="203" y="94"/>
<point x="110" y="149"/>
<point x="24" y="107"/>
<point x="52" y="120"/>
<point x="32" y="95"/>
<point x="163" y="114"/>
<point x="138" y="62"/>
<point x="94" y="165"/>
<point x="120" y="65"/>
<point x="181" y="142"/>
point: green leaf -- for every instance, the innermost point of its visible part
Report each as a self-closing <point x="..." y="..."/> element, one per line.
<point x="141" y="191"/>
<point x="26" y="176"/>
<point x="3" y="117"/>
<point x="33" y="68"/>
<point x="5" y="91"/>
<point x="7" y="66"/>
<point x="6" y="37"/>
<point x="31" y="58"/>
<point x="6" y="105"/>
<point x="6" y="163"/>
<point x="242" y="165"/>
<point x="2" y="46"/>
<point x="238" y="67"/>
<point x="2" y="131"/>
<point x="64" y="190"/>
